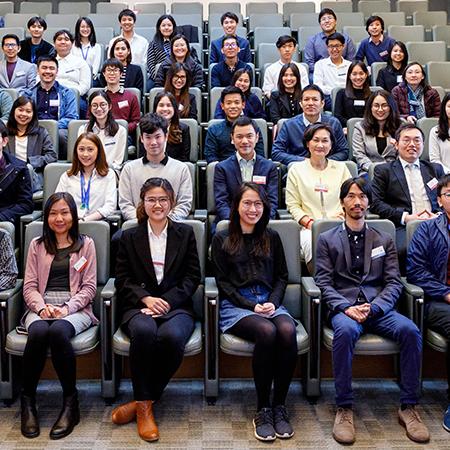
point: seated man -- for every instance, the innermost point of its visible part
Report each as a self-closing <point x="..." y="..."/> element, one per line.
<point x="229" y="22"/>
<point x="222" y="72"/>
<point x="316" y="47"/>
<point x="288" y="146"/>
<point x="427" y="267"/>
<point x="331" y="72"/>
<point x="218" y="145"/>
<point x="358" y="274"/>
<point x="54" y="101"/>
<point x="287" y="46"/>
<point x="244" y="165"/>
<point x="405" y="189"/>
<point x="16" y="194"/>
<point x="155" y="163"/>
<point x="15" y="73"/>
<point x="33" y="47"/>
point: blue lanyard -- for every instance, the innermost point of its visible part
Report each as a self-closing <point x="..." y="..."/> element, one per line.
<point x="85" y="193"/>
<point x="87" y="52"/>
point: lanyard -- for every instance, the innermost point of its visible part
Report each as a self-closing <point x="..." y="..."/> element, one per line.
<point x="87" y="52"/>
<point x="85" y="193"/>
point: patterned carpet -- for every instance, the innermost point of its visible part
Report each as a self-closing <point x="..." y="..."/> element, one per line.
<point x="187" y="422"/>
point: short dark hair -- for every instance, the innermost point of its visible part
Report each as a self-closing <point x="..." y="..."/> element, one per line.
<point x="112" y="62"/>
<point x="407" y="126"/>
<point x="373" y="19"/>
<point x="37" y="19"/>
<point x="326" y="11"/>
<point x="46" y="58"/>
<point x="61" y="32"/>
<point x="127" y="13"/>
<point x="243" y="121"/>
<point x="312" y="87"/>
<point x="229" y="15"/>
<point x="10" y="36"/>
<point x="229" y="36"/>
<point x="312" y="129"/>
<point x="151" y="122"/>
<point x="361" y="182"/>
<point x="335" y="37"/>
<point x="443" y="182"/>
<point x="231" y="90"/>
<point x="3" y="129"/>
<point x="285" y="39"/>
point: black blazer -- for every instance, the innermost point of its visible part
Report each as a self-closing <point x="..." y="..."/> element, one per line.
<point x="44" y="49"/>
<point x="391" y="196"/>
<point x="279" y="107"/>
<point x="135" y="276"/>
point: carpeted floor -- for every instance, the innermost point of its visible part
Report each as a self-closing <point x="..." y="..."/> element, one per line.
<point x="186" y="421"/>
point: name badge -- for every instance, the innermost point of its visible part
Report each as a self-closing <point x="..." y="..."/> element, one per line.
<point x="110" y="143"/>
<point x="259" y="179"/>
<point x="81" y="264"/>
<point x="359" y="102"/>
<point x="321" y="187"/>
<point x="432" y="184"/>
<point x="122" y="104"/>
<point x="20" y="73"/>
<point x="70" y="70"/>
<point x="342" y="74"/>
<point x="399" y="78"/>
<point x="383" y="53"/>
<point x="378" y="252"/>
<point x="54" y="102"/>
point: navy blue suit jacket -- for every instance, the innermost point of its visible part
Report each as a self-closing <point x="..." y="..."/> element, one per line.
<point x="227" y="180"/>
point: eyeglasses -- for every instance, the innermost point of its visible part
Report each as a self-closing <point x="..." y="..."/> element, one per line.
<point x="247" y="204"/>
<point x="335" y="47"/>
<point x="415" y="141"/>
<point x="446" y="195"/>
<point x="230" y="45"/>
<point x="179" y="77"/>
<point x="10" y="45"/>
<point x="384" y="106"/>
<point x="99" y="105"/>
<point x="110" y="70"/>
<point x="326" y="19"/>
<point x="152" y="201"/>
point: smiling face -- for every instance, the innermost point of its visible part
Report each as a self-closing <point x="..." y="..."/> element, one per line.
<point x="179" y="49"/>
<point x="335" y="49"/>
<point x="23" y="115"/>
<point x="63" y="45"/>
<point x="328" y="23"/>
<point x="410" y="145"/>
<point x="179" y="80"/>
<point x="165" y="109"/>
<point x="358" y="77"/>
<point x="87" y="153"/>
<point x="287" y="51"/>
<point x="99" y="108"/>
<point x="375" y="29"/>
<point x="312" y="104"/>
<point x="414" y="75"/>
<point x="250" y="209"/>
<point x="127" y="24"/>
<point x="60" y="218"/>
<point x="243" y="82"/>
<point x="166" y="28"/>
<point x="232" y="106"/>
<point x="112" y="75"/>
<point x="380" y="108"/>
<point x="47" y="71"/>
<point x="230" y="48"/>
<point x="85" y="29"/>
<point x="121" y="52"/>
<point x="157" y="204"/>
<point x="36" y="30"/>
<point x="244" y="139"/>
<point x="397" y="54"/>
<point x="320" y="145"/>
<point x="11" y="49"/>
<point x="154" y="144"/>
<point x="229" y="26"/>
<point x="355" y="203"/>
<point x="289" y="80"/>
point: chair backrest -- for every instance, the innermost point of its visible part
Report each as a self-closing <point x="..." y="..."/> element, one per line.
<point x="52" y="174"/>
<point x="424" y="52"/>
<point x="344" y="19"/>
<point x="350" y="129"/>
<point x="60" y="21"/>
<point x="6" y="8"/>
<point x="72" y="135"/>
<point x="81" y="8"/>
<point x="410" y="6"/>
<point x="438" y="74"/>
<point x="147" y="32"/>
<point x="376" y="67"/>
<point x="104" y="34"/>
<point x="220" y="8"/>
<point x="304" y="33"/>
<point x="194" y="132"/>
<point x="193" y="19"/>
<point x="352" y="168"/>
<point x="429" y="19"/>
<point x="298" y="20"/>
<point x="12" y="92"/>
<point x="297" y="7"/>
<point x="52" y="128"/>
<point x="337" y="7"/>
<point x="146" y="20"/>
<point x="20" y="32"/>
<point x="41" y="8"/>
<point x="261" y="20"/>
<point x="261" y="8"/>
<point x="426" y="124"/>
<point x="357" y="34"/>
<point x="18" y="20"/>
<point x="110" y="8"/>
<point x="269" y="34"/>
<point x="9" y="228"/>
<point x="210" y="198"/>
<point x="106" y="20"/>
<point x="187" y="8"/>
<point x="50" y="32"/>
<point x="367" y="6"/>
<point x="406" y="33"/>
<point x="411" y="228"/>
<point x="392" y="18"/>
<point x="150" y="8"/>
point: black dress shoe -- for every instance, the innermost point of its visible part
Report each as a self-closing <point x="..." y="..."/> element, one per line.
<point x="29" y="423"/>
<point x="68" y="418"/>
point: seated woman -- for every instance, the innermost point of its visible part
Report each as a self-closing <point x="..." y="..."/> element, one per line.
<point x="373" y="137"/>
<point x="351" y="101"/>
<point x="251" y="275"/>
<point x="31" y="48"/>
<point x="28" y="141"/>
<point x="392" y="75"/>
<point x="414" y="97"/>
<point x="102" y="123"/>
<point x="178" y="139"/>
<point x="92" y="185"/>
<point x="312" y="188"/>
<point x="178" y="82"/>
<point x="157" y="272"/>
<point x="8" y="266"/>
<point x="285" y="102"/>
<point x="439" y="139"/>
<point x="242" y="79"/>
<point x="59" y="287"/>
<point x="180" y="52"/>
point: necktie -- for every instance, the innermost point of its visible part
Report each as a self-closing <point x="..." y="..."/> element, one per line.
<point x="416" y="193"/>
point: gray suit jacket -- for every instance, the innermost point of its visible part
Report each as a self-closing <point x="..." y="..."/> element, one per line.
<point x="24" y="76"/>
<point x="365" y="149"/>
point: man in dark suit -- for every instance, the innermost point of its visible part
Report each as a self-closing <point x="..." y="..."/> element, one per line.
<point x="244" y="165"/>
<point x="405" y="189"/>
<point x="357" y="271"/>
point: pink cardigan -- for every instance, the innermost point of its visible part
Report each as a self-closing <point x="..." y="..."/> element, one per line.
<point x="83" y="285"/>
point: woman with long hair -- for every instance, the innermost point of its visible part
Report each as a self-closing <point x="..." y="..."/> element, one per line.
<point x="157" y="273"/>
<point x="392" y="75"/>
<point x="373" y="137"/>
<point x="178" y="136"/>
<point x="28" y="141"/>
<point x="439" y="143"/>
<point x="178" y="82"/>
<point x="251" y="273"/>
<point x="351" y="101"/>
<point x="90" y="182"/>
<point x="59" y="287"/>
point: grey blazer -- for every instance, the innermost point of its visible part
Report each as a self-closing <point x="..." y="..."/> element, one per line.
<point x="24" y="76"/>
<point x="365" y="149"/>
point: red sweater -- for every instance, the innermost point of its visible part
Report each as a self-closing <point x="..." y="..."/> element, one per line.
<point x="125" y="106"/>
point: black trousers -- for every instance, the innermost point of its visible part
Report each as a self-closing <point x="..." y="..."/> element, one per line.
<point x="438" y="319"/>
<point x="156" y="351"/>
<point x="55" y="334"/>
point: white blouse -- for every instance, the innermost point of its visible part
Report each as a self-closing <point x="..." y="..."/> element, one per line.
<point x="21" y="148"/>
<point x="439" y="150"/>
<point x="92" y="55"/>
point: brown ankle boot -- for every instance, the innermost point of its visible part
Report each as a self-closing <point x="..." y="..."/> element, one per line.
<point x="146" y="425"/>
<point x="123" y="414"/>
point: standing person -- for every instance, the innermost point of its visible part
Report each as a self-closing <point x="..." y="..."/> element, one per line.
<point x="157" y="273"/>
<point x="85" y="45"/>
<point x="439" y="142"/>
<point x="358" y="274"/>
<point x="58" y="291"/>
<point x="33" y="47"/>
<point x="251" y="274"/>
<point x="392" y="75"/>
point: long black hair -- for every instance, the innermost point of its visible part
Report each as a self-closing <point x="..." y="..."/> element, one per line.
<point x="92" y="36"/>
<point x="298" y="83"/>
<point x="111" y="126"/>
<point x="158" y="38"/>
<point x="349" y="90"/>
<point x="443" y="119"/>
<point x="33" y="126"/>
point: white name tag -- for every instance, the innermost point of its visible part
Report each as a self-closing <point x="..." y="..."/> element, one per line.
<point x="54" y="102"/>
<point x="378" y="252"/>
<point x="20" y="74"/>
<point x="399" y="78"/>
<point x="359" y="102"/>
<point x="384" y="53"/>
<point x="80" y="264"/>
<point x="321" y="187"/>
<point x="432" y="184"/>
<point x="70" y="70"/>
<point x="122" y="104"/>
<point x="259" y="179"/>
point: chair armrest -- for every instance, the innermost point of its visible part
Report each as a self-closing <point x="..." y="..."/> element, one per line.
<point x="11" y="307"/>
<point x="201" y="215"/>
<point x="27" y="218"/>
<point x="284" y="214"/>
<point x="108" y="327"/>
<point x="310" y="288"/>
<point x="109" y="290"/>
<point x="211" y="329"/>
<point x="371" y="216"/>
<point x="414" y="298"/>
<point x="115" y="218"/>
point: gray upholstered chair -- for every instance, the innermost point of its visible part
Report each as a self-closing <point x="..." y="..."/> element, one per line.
<point x="116" y="344"/>
<point x="301" y="301"/>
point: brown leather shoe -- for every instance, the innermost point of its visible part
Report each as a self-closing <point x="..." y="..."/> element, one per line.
<point x="343" y="429"/>
<point x="416" y="430"/>
<point x="146" y="425"/>
<point x="123" y="414"/>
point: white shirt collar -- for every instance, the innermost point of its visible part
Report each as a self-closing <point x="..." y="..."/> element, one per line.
<point x="152" y="234"/>
<point x="307" y="122"/>
<point x="405" y="164"/>
<point x="239" y="157"/>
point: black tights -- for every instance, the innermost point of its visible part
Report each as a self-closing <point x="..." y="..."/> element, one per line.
<point x="55" y="334"/>
<point x="274" y="356"/>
